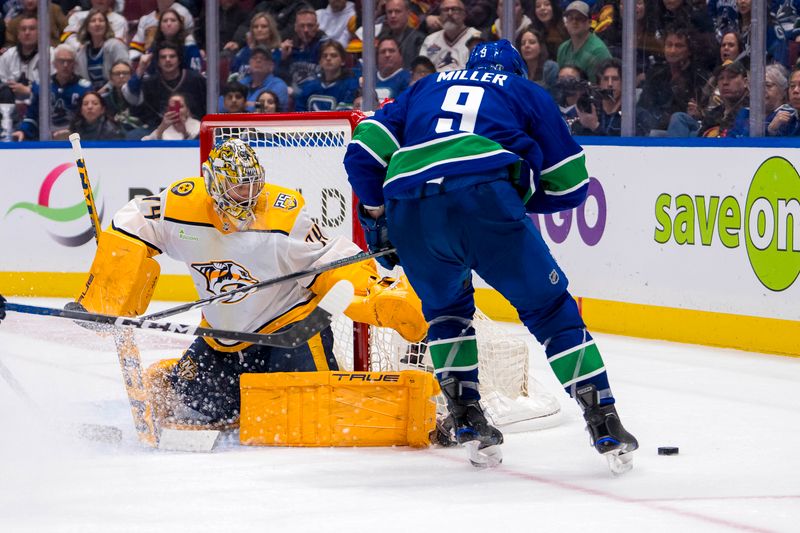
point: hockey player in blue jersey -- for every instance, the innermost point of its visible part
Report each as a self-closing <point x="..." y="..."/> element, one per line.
<point x="448" y="173"/>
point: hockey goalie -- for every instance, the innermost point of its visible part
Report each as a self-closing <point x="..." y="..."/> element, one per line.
<point x="232" y="229"/>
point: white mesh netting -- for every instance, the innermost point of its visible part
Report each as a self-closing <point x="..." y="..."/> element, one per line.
<point x="307" y="156"/>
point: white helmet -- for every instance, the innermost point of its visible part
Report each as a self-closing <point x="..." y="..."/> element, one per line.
<point x="234" y="179"/>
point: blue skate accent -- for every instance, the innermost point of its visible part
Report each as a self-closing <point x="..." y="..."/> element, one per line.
<point x="466" y="431"/>
<point x="607" y="439"/>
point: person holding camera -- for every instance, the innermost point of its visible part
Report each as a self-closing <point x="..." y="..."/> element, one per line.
<point x="599" y="107"/>
<point x="570" y="82"/>
<point x="178" y="124"/>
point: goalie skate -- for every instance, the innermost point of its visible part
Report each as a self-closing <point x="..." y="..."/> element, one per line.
<point x="606" y="433"/>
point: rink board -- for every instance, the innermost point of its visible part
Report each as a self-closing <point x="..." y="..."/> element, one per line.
<point x="696" y="244"/>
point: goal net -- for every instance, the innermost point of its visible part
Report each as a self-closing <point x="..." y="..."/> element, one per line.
<point x="304" y="151"/>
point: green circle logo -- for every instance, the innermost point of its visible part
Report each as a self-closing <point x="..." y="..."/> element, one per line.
<point x="772" y="224"/>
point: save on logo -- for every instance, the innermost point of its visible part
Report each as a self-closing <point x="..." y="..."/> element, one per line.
<point x="769" y="222"/>
<point x="60" y="214"/>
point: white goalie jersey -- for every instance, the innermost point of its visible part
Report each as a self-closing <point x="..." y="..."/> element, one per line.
<point x="181" y="222"/>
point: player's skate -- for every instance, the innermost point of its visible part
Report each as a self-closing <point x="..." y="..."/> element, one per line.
<point x="606" y="432"/>
<point x="471" y="429"/>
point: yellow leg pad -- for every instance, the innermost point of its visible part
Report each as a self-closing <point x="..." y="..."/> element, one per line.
<point x="122" y="278"/>
<point x="338" y="408"/>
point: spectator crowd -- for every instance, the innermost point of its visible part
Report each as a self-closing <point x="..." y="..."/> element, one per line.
<point x="125" y="69"/>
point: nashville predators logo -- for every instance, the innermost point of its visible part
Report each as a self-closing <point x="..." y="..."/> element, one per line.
<point x="186" y="369"/>
<point x="225" y="276"/>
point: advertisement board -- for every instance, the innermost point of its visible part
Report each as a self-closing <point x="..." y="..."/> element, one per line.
<point x="712" y="229"/>
<point x="690" y="243"/>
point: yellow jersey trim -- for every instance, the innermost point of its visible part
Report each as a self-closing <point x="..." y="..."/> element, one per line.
<point x="295" y="314"/>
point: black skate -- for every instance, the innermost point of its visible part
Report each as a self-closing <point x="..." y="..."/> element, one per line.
<point x="471" y="428"/>
<point x="606" y="432"/>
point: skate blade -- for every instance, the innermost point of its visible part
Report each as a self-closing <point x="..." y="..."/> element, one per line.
<point x="619" y="463"/>
<point x="488" y="457"/>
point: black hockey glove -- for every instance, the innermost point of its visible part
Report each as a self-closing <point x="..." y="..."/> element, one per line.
<point x="376" y="233"/>
<point x="2" y="308"/>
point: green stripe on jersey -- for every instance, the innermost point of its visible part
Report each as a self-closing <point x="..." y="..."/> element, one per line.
<point x="565" y="177"/>
<point x="376" y="138"/>
<point x="455" y="354"/>
<point x="565" y="365"/>
<point x="461" y="147"/>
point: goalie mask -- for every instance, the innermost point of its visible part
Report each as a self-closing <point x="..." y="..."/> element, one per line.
<point x="234" y="179"/>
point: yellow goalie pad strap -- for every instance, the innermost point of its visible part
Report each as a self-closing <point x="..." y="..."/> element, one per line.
<point x="122" y="278"/>
<point x="391" y="303"/>
<point x="338" y="408"/>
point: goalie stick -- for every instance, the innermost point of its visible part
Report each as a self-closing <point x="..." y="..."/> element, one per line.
<point x="235" y="293"/>
<point x="130" y="361"/>
<point x="295" y="336"/>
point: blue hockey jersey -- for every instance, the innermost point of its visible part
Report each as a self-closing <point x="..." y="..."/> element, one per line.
<point x="316" y="95"/>
<point x="63" y="105"/>
<point x="467" y="123"/>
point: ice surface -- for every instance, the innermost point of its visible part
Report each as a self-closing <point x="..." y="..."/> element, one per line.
<point x="733" y="414"/>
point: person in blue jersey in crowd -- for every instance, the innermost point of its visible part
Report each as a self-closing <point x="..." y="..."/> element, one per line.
<point x="392" y="77"/>
<point x="66" y="89"/>
<point x="260" y="78"/>
<point x="448" y="173"/>
<point x="335" y="88"/>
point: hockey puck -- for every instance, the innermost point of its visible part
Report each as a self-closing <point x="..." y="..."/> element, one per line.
<point x="668" y="450"/>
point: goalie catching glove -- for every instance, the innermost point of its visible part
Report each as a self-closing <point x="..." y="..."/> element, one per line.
<point x="376" y="233"/>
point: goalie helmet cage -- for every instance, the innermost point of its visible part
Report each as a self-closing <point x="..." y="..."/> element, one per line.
<point x="304" y="152"/>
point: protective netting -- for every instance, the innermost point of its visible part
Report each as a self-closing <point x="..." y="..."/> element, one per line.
<point x="307" y="157"/>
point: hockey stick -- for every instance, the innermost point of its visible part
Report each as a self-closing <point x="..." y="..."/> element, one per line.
<point x="230" y="295"/>
<point x="295" y="336"/>
<point x="75" y="141"/>
<point x="130" y="361"/>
